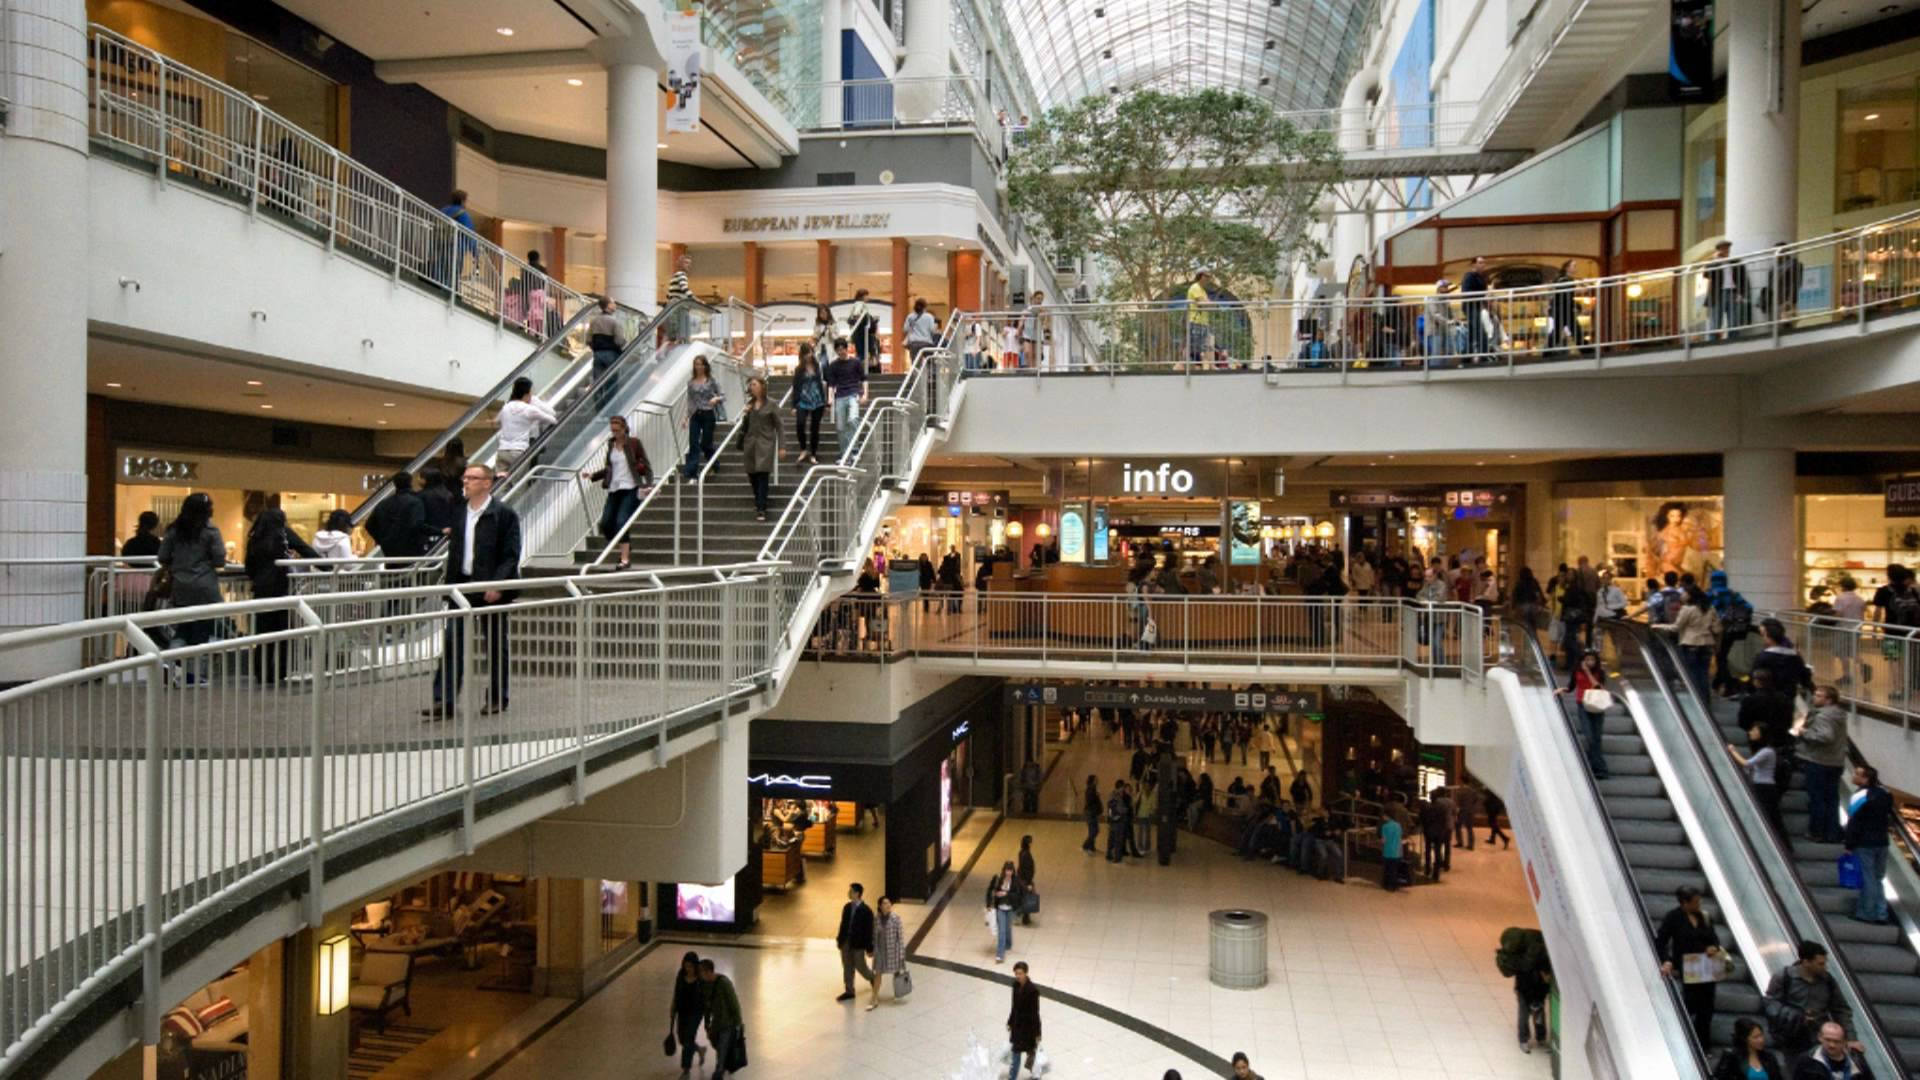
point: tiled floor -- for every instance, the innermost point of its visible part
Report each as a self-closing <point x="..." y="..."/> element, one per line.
<point x="1363" y="983"/>
<point x="1094" y="751"/>
<point x="796" y="1031"/>
<point x="813" y="910"/>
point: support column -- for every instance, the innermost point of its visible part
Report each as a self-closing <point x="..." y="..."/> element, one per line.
<point x="1352" y="233"/>
<point x="569" y="937"/>
<point x="315" y="1045"/>
<point x="1763" y="124"/>
<point x="1760" y="526"/>
<point x="633" y="184"/>
<point x="557" y="266"/>
<point x="756" y="284"/>
<point x="1543" y="531"/>
<point x="823" y="269"/>
<point x="43" y="354"/>
<point x="920" y="89"/>
<point x="964" y="273"/>
<point x="902" y="303"/>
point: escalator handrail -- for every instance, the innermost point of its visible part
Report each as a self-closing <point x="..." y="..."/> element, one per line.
<point x="1526" y="641"/>
<point x="1813" y="925"/>
<point x="479" y="407"/>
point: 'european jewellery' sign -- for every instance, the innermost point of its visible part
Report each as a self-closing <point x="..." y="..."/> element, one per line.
<point x="805" y="223"/>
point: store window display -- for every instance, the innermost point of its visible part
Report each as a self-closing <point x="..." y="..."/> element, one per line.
<point x="1677" y="540"/>
<point x="1643" y="537"/>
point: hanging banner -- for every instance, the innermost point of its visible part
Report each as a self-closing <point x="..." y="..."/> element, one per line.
<point x="1690" y="49"/>
<point x="683" y="72"/>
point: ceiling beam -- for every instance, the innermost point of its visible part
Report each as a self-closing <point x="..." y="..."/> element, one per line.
<point x="489" y="66"/>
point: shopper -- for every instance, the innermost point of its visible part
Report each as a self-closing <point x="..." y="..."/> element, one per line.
<point x="1023" y="1022"/>
<point x="1800" y="998"/>
<point x="1588" y="687"/>
<point x="680" y="288"/>
<point x="1243" y="1068"/>
<point x="1495" y="808"/>
<point x="462" y="245"/>
<point x="847" y="377"/>
<point x="1437" y="333"/>
<point x="947" y="579"/>
<point x="1392" y="863"/>
<point x="1473" y="309"/>
<point x="1869" y="815"/>
<point x="1848" y="603"/>
<point x="1467" y="802"/>
<point x="1563" y="325"/>
<point x="864" y="328"/>
<point x="705" y="402"/>
<point x="923" y="332"/>
<point x="1091" y="808"/>
<point x="334" y="539"/>
<point x="1726" y="290"/>
<point x="1832" y="1058"/>
<point x="854" y="939"/>
<point x="889" y="950"/>
<point x="825" y="330"/>
<point x="398" y="523"/>
<point x="726" y="1026"/>
<point x="1736" y="622"/>
<point x="607" y="337"/>
<point x="1765" y="707"/>
<point x="1300" y="791"/>
<point x="520" y="420"/>
<point x="623" y="471"/>
<point x="760" y="442"/>
<point x="1684" y="931"/>
<point x="453" y="466"/>
<point x="439" y="505"/>
<point x="1822" y="750"/>
<point x="1119" y="822"/>
<point x="484" y="546"/>
<point x="1577" y="605"/>
<point x="1005" y="894"/>
<point x="1790" y="673"/>
<point x="1032" y="333"/>
<point x="192" y="555"/>
<point x="1697" y="631"/>
<point x="688" y="1009"/>
<point x="268" y="542"/>
<point x="1762" y="765"/>
<point x="1025" y="870"/>
<point x="1432" y="625"/>
<point x="1610" y="602"/>
<point x="1436" y="828"/>
<point x="1748" y="1058"/>
<point x="809" y="396"/>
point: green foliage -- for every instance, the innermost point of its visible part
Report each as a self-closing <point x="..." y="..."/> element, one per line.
<point x="1159" y="185"/>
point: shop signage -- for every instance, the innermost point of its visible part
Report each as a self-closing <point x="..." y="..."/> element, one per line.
<point x="139" y="467"/>
<point x="1158" y="697"/>
<point x="1903" y="497"/>
<point x="373" y="480"/>
<point x="808" y="782"/>
<point x="806" y="223"/>
<point x="956" y="498"/>
<point x="1168" y="478"/>
<point x="961" y="731"/>
<point x="1376" y="498"/>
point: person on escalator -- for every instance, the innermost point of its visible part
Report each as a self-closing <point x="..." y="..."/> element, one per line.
<point x="520" y="421"/>
<point x="1696" y="629"/>
<point x="1688" y="931"/>
<point x="1790" y="673"/>
<point x="439" y="506"/>
<point x="1801" y="998"/>
<point x="1748" y="1058"/>
<point x="1832" y="1058"/>
<point x="1763" y="768"/>
<point x="1869" y="815"/>
<point x="1822" y="748"/>
<point x="1588" y="687"/>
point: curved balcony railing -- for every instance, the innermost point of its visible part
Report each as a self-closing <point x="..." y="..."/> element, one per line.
<point x="1826" y="283"/>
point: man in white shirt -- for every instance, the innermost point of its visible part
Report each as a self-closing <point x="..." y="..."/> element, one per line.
<point x="483" y="545"/>
<point x="520" y="420"/>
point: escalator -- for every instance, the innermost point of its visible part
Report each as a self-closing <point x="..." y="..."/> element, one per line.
<point x="1877" y="964"/>
<point x="1626" y="834"/>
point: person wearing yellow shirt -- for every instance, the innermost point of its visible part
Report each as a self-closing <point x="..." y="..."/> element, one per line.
<point x="1198" y="330"/>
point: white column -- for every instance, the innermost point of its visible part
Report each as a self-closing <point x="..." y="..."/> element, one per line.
<point x="916" y="101"/>
<point x="1763" y="118"/>
<point x="633" y="183"/>
<point x="1352" y="233"/>
<point x="1761" y="535"/>
<point x="43" y="305"/>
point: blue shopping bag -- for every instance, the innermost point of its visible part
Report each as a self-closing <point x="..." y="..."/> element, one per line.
<point x="1850" y="876"/>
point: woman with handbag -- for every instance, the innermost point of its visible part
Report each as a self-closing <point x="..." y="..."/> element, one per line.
<point x="688" y="1009"/>
<point x="889" y="953"/>
<point x="704" y="405"/>
<point x="191" y="557"/>
<point x="1696" y="629"/>
<point x="760" y="442"/>
<point x="268" y="542"/>
<point x="1588" y="686"/>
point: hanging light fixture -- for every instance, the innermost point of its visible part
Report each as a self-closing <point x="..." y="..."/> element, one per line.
<point x="336" y="978"/>
<point x="1324" y="530"/>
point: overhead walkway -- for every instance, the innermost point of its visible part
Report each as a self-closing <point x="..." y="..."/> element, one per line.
<point x="1880" y="960"/>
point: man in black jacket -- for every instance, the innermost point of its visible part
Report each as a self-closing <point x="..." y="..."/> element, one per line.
<point x="855" y="939"/>
<point x="399" y="523"/>
<point x="1868" y="819"/>
<point x="484" y="545"/>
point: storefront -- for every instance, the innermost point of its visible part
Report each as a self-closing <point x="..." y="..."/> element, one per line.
<point x="935" y="521"/>
<point x="1421" y="523"/>
<point x="159" y="480"/>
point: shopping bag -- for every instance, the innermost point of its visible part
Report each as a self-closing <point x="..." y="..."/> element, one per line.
<point x="1556" y="630"/>
<point x="737" y="1053"/>
<point x="1596" y="700"/>
<point x="1849" y="871"/>
<point x="1031" y="904"/>
<point x="992" y="927"/>
<point x="902" y="983"/>
<point x="670" y="1045"/>
<point x="1041" y="1064"/>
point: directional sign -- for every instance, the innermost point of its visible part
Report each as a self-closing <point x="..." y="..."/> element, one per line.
<point x="1164" y="698"/>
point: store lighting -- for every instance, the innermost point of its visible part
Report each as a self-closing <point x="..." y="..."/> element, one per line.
<point x="1324" y="530"/>
<point x="336" y="975"/>
<point x="576" y="82"/>
<point x="386" y="404"/>
<point x="659" y="146"/>
<point x="503" y="31"/>
<point x="1043" y="530"/>
<point x="255" y="382"/>
<point x="1634" y="290"/>
<point x="266" y="406"/>
<point x="1871" y="116"/>
<point x="113" y="386"/>
<point x="1014" y="529"/>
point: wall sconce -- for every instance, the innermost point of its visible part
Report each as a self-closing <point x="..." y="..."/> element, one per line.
<point x="1043" y="530"/>
<point x="1014" y="529"/>
<point x="336" y="976"/>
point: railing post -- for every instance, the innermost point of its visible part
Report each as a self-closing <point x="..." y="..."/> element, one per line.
<point x="259" y="156"/>
<point x="1860" y="284"/>
<point x="582" y="640"/>
<point x="470" y="641"/>
<point x="154" y="840"/>
<point x="160" y="156"/>
<point x="316" y="783"/>
<point x="676" y="517"/>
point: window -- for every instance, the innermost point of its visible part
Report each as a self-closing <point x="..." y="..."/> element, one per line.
<point x="1877" y="162"/>
<point x="1706" y="194"/>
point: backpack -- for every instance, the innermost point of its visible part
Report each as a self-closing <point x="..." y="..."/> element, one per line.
<point x="1739" y="617"/>
<point x="1521" y="951"/>
<point x="1905" y="608"/>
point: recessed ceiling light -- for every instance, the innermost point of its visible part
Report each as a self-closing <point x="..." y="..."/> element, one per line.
<point x="262" y="97"/>
<point x="659" y="146"/>
<point x="1389" y="457"/>
<point x="1479" y="463"/>
<point x="113" y="386"/>
<point x="266" y="406"/>
<point x="386" y="404"/>
<point x="381" y="421"/>
<point x="255" y="382"/>
<point x="503" y="31"/>
<point x="576" y="82"/>
<point x="1871" y="116"/>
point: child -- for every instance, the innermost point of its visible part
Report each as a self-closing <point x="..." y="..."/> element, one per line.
<point x="1010" y="345"/>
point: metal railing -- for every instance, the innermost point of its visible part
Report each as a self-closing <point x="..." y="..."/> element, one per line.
<point x="148" y="791"/>
<point x="883" y="104"/>
<point x="1875" y="666"/>
<point x="1157" y="630"/>
<point x="1828" y="282"/>
<point x="197" y="130"/>
<point x="1363" y="129"/>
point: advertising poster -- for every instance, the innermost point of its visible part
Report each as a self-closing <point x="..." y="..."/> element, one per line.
<point x="1690" y="48"/>
<point x="946" y="812"/>
<point x="1100" y="549"/>
<point x="1245" y="541"/>
<point x="1073" y="533"/>
<point x="705" y="903"/>
<point x="683" y="72"/>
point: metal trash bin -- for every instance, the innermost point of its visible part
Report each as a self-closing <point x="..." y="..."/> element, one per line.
<point x="1237" y="949"/>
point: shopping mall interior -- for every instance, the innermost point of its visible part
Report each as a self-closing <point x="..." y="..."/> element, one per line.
<point x="948" y="539"/>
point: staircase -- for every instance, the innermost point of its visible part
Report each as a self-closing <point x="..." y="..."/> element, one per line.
<point x="730" y="533"/>
<point x="1660" y="857"/>
<point x="1880" y="957"/>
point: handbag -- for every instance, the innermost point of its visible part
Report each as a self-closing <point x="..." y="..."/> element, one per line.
<point x="902" y="984"/>
<point x="1556" y="630"/>
<point x="670" y="1045"/>
<point x="1030" y="905"/>
<point x="1848" y="869"/>
<point x="720" y="410"/>
<point x="159" y="589"/>
<point x="1596" y="700"/>
<point x="737" y="1053"/>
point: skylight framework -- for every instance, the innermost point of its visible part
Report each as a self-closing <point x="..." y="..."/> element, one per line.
<point x="1296" y="53"/>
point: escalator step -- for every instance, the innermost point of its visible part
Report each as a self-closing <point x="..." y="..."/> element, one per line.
<point x="1818" y="871"/>
<point x="1663" y="883"/>
<point x="1847" y="930"/>
<point x="1885" y="990"/>
<point x="1642" y="831"/>
<point x="1622" y="744"/>
<point x="1619" y="724"/>
<point x="1900" y="1020"/>
<point x="1640" y="809"/>
<point x="1630" y="765"/>
<point x="1879" y="959"/>
<point x="1644" y="787"/>
<point x="1660" y="856"/>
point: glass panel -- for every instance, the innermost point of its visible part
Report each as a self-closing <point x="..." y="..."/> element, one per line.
<point x="303" y="96"/>
<point x="776" y="43"/>
<point x="1878" y="158"/>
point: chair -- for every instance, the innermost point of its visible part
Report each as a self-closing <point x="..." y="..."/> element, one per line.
<point x="382" y="984"/>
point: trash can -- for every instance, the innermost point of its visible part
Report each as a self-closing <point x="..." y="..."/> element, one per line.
<point x="1237" y="949"/>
